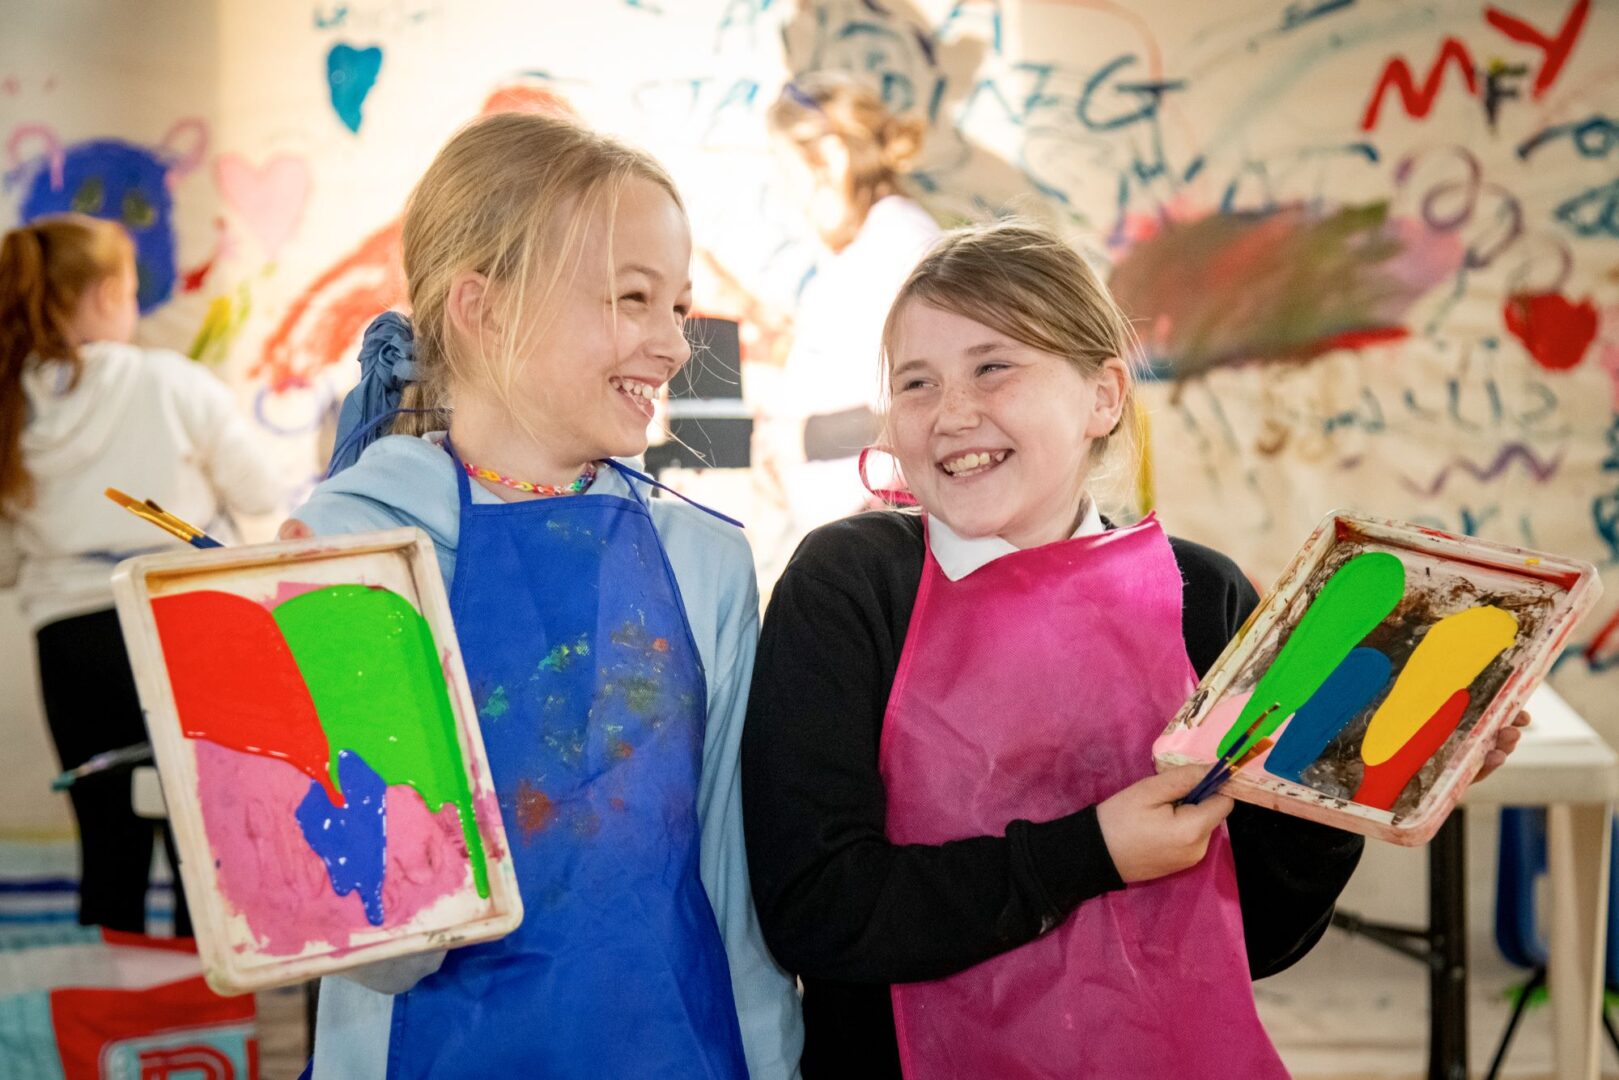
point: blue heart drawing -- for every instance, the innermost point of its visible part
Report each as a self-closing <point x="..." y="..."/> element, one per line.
<point x="350" y="839"/>
<point x="351" y="73"/>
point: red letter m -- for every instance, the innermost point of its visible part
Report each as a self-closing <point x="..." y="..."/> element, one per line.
<point x="1418" y="101"/>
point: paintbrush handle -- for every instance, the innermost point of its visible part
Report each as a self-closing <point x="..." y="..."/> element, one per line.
<point x="138" y="754"/>
<point x="1212" y="782"/>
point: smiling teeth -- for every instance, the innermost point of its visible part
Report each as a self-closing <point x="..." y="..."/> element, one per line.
<point x="968" y="462"/>
<point x="634" y="388"/>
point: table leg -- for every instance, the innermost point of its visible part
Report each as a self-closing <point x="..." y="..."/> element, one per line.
<point x="1447" y="959"/>
<point x="1577" y="842"/>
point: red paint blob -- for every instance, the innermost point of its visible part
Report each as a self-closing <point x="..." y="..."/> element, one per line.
<point x="534" y="809"/>
<point x="1359" y="339"/>
<point x="1381" y="785"/>
<point x="1554" y="329"/>
<point x="235" y="682"/>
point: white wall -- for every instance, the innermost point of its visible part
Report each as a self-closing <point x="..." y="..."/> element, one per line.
<point x="1123" y="123"/>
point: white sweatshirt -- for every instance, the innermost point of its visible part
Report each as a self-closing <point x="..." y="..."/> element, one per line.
<point x="146" y="421"/>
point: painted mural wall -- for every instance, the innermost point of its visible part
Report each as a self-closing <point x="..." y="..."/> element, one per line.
<point x="1372" y="247"/>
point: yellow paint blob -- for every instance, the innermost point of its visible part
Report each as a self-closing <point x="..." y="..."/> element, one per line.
<point x="1448" y="658"/>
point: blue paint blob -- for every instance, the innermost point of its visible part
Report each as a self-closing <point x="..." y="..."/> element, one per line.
<point x="351" y="73"/>
<point x="120" y="182"/>
<point x="351" y="839"/>
<point x="1349" y="689"/>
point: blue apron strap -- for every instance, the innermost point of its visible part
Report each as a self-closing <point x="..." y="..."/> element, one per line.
<point x="361" y="436"/>
<point x="462" y="485"/>
<point x="627" y="472"/>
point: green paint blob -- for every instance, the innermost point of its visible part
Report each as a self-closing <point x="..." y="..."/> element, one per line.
<point x="369" y="661"/>
<point x="1354" y="600"/>
<point x="497" y="705"/>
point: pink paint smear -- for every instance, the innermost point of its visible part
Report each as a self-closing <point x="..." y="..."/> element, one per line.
<point x="1202" y="743"/>
<point x="268" y="873"/>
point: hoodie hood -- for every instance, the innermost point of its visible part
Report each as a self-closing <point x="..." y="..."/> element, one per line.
<point x="69" y="428"/>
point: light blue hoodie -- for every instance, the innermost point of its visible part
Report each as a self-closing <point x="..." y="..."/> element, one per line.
<point x="402" y="480"/>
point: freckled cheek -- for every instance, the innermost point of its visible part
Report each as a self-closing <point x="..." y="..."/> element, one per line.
<point x="909" y="430"/>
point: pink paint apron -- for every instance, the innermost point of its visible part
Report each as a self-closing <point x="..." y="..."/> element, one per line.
<point x="1032" y="687"/>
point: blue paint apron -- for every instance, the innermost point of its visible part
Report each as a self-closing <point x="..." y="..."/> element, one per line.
<point x="592" y="702"/>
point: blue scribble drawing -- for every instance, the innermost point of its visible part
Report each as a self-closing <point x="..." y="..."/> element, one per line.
<point x="1595" y="137"/>
<point x="351" y="73"/>
<point x="1594" y="212"/>
<point x="122" y="182"/>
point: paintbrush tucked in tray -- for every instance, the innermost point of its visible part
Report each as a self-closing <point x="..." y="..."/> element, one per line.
<point x="1239" y="754"/>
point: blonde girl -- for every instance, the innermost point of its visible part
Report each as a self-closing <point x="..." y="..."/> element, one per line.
<point x="608" y="637"/>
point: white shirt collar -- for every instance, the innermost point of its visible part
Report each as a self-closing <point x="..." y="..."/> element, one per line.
<point x="958" y="556"/>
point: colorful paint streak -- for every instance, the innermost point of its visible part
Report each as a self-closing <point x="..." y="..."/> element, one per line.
<point x="1381" y="784"/>
<point x="263" y="707"/>
<point x="350" y="75"/>
<point x="373" y="672"/>
<point x="1349" y="689"/>
<point x="280" y="886"/>
<point x="324" y="324"/>
<point x="1358" y="596"/>
<point x="1289" y="284"/>
<point x="1556" y="331"/>
<point x="351" y="839"/>
<point x="1453" y="653"/>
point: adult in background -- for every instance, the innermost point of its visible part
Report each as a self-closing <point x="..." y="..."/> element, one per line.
<point x="845" y="155"/>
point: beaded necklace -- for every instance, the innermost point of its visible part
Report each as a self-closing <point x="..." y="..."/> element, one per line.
<point x="583" y="482"/>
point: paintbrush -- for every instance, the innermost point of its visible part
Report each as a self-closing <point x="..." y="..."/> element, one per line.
<point x="1212" y="779"/>
<point x="150" y="511"/>
<point x="1209" y="785"/>
<point x="139" y="754"/>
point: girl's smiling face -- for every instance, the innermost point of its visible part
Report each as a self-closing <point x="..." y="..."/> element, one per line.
<point x="587" y="367"/>
<point x="994" y="435"/>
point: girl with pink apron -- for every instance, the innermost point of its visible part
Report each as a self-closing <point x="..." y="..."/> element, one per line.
<point x="956" y="835"/>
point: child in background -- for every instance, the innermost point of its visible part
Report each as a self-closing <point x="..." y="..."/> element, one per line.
<point x="83" y="409"/>
<point x="608" y="639"/>
<point x="847" y="155"/>
<point x="954" y="830"/>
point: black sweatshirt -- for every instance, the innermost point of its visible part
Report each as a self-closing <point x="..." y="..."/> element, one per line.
<point x="850" y="913"/>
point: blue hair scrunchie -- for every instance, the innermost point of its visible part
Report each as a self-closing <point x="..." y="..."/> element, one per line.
<point x="387" y="366"/>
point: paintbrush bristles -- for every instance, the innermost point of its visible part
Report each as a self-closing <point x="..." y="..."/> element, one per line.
<point x="150" y="511"/>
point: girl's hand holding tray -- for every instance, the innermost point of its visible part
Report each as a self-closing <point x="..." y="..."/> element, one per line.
<point x="1383" y="670"/>
<point x="320" y="754"/>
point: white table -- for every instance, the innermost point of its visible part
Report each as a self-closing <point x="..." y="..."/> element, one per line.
<point x="1566" y="767"/>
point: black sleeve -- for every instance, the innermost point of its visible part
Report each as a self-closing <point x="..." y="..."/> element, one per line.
<point x="1289" y="871"/>
<point x="836" y="900"/>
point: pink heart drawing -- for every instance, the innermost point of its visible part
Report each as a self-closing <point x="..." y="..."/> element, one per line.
<point x="269" y="198"/>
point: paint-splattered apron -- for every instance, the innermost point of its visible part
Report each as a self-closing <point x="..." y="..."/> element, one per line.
<point x="1028" y="689"/>
<point x="592" y="703"/>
